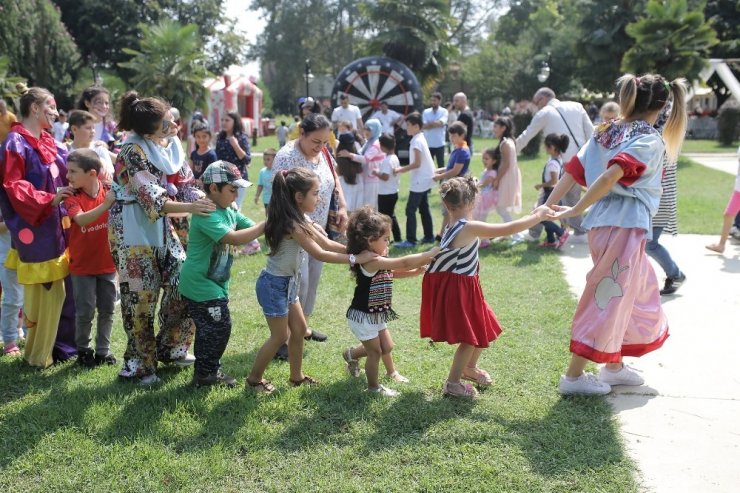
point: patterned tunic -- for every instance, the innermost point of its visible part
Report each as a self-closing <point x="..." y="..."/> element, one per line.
<point x="371" y="302"/>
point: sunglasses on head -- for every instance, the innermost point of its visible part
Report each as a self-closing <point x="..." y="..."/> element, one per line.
<point x="166" y="124"/>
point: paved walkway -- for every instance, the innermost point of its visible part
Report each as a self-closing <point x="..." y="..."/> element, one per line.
<point x="726" y="162"/>
<point x="682" y="427"/>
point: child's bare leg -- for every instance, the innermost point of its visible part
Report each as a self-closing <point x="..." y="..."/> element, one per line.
<point x="461" y="358"/>
<point x="358" y="352"/>
<point x="473" y="361"/>
<point x="297" y="327"/>
<point x="374" y="351"/>
<point x="278" y="335"/>
<point x="576" y="367"/>
<point x="386" y="343"/>
<point x="726" y="226"/>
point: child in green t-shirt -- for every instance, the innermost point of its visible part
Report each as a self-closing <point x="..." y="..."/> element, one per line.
<point x="204" y="279"/>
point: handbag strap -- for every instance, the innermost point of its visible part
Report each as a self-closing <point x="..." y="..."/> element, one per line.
<point x="330" y="161"/>
<point x="568" y="127"/>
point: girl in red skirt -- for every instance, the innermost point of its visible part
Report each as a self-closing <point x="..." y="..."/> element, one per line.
<point x="453" y="309"/>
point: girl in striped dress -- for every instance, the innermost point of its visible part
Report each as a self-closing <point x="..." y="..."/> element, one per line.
<point x="453" y="309"/>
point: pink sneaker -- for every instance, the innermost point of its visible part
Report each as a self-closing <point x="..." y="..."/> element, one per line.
<point x="484" y="243"/>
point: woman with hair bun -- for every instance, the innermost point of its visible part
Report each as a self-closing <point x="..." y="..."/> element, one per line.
<point x="145" y="247"/>
<point x="619" y="313"/>
<point x="33" y="174"/>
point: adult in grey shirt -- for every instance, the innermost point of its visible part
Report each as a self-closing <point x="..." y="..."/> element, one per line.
<point x="560" y="117"/>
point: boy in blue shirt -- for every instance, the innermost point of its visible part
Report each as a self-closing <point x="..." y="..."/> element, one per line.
<point x="264" y="183"/>
<point x="204" y="279"/>
<point x="458" y="163"/>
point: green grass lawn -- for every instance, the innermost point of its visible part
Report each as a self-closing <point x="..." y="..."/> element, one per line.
<point x="708" y="146"/>
<point x="64" y="429"/>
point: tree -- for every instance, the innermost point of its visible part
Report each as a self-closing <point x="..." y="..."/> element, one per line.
<point x="170" y="63"/>
<point x="670" y="39"/>
<point x="602" y="41"/>
<point x="38" y="46"/>
<point x="102" y="29"/>
<point x="8" y="92"/>
<point x="725" y="18"/>
<point x="324" y="31"/>
<point x="414" y="33"/>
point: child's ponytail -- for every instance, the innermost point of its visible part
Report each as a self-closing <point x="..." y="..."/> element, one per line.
<point x="675" y="127"/>
<point x="283" y="213"/>
<point x="627" y="85"/>
<point x="650" y="92"/>
<point x="559" y="142"/>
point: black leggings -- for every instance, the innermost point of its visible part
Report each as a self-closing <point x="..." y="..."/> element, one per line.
<point x="387" y="206"/>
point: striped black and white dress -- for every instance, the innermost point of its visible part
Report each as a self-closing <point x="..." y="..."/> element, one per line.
<point x="462" y="261"/>
<point x="453" y="308"/>
<point x="666" y="216"/>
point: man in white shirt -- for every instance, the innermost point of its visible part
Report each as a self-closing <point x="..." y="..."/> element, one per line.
<point x="561" y="117"/>
<point x="435" y="128"/>
<point x="387" y="117"/>
<point x="421" y="167"/>
<point x="347" y="112"/>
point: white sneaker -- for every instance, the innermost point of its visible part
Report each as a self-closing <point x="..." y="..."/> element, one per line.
<point x="529" y="237"/>
<point x="384" y="391"/>
<point x="187" y="360"/>
<point x="586" y="384"/>
<point x="625" y="376"/>
<point x="149" y="380"/>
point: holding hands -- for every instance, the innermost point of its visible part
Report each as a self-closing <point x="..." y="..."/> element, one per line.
<point x="561" y="212"/>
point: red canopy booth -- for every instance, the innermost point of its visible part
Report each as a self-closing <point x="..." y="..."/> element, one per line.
<point x="240" y="95"/>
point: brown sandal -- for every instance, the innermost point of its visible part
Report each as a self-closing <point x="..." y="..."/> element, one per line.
<point x="305" y="381"/>
<point x="263" y="386"/>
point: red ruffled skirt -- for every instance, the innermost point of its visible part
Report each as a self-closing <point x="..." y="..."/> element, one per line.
<point x="453" y="310"/>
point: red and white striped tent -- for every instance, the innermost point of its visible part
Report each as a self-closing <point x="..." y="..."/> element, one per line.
<point x="239" y="94"/>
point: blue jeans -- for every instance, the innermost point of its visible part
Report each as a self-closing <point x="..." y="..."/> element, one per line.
<point x="12" y="302"/>
<point x="661" y="255"/>
<point x="553" y="231"/>
<point x="418" y="201"/>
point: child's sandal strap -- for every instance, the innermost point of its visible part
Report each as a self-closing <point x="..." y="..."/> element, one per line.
<point x="307" y="380"/>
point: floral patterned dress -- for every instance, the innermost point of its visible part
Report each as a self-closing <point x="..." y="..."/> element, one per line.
<point x="148" y="257"/>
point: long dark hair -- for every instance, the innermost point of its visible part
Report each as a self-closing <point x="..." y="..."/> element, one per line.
<point x="283" y="213"/>
<point x="238" y="125"/>
<point x="365" y="225"/>
<point x="508" y="123"/>
<point x="89" y="94"/>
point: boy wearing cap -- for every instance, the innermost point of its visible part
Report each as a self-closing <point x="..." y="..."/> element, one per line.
<point x="204" y="279"/>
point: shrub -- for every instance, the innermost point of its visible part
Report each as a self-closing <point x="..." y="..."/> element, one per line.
<point x="521" y="120"/>
<point x="728" y="122"/>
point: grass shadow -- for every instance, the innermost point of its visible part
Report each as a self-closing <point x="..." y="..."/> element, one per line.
<point x="554" y="445"/>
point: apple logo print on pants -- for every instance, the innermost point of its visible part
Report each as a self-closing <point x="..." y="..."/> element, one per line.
<point x="608" y="287"/>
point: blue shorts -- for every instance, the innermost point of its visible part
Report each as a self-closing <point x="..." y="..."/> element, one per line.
<point x="275" y="293"/>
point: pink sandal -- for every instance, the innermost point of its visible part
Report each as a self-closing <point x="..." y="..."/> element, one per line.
<point x="12" y="350"/>
<point x="459" y="390"/>
<point x="481" y="377"/>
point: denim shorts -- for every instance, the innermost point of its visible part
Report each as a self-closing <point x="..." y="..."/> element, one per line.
<point x="275" y="293"/>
